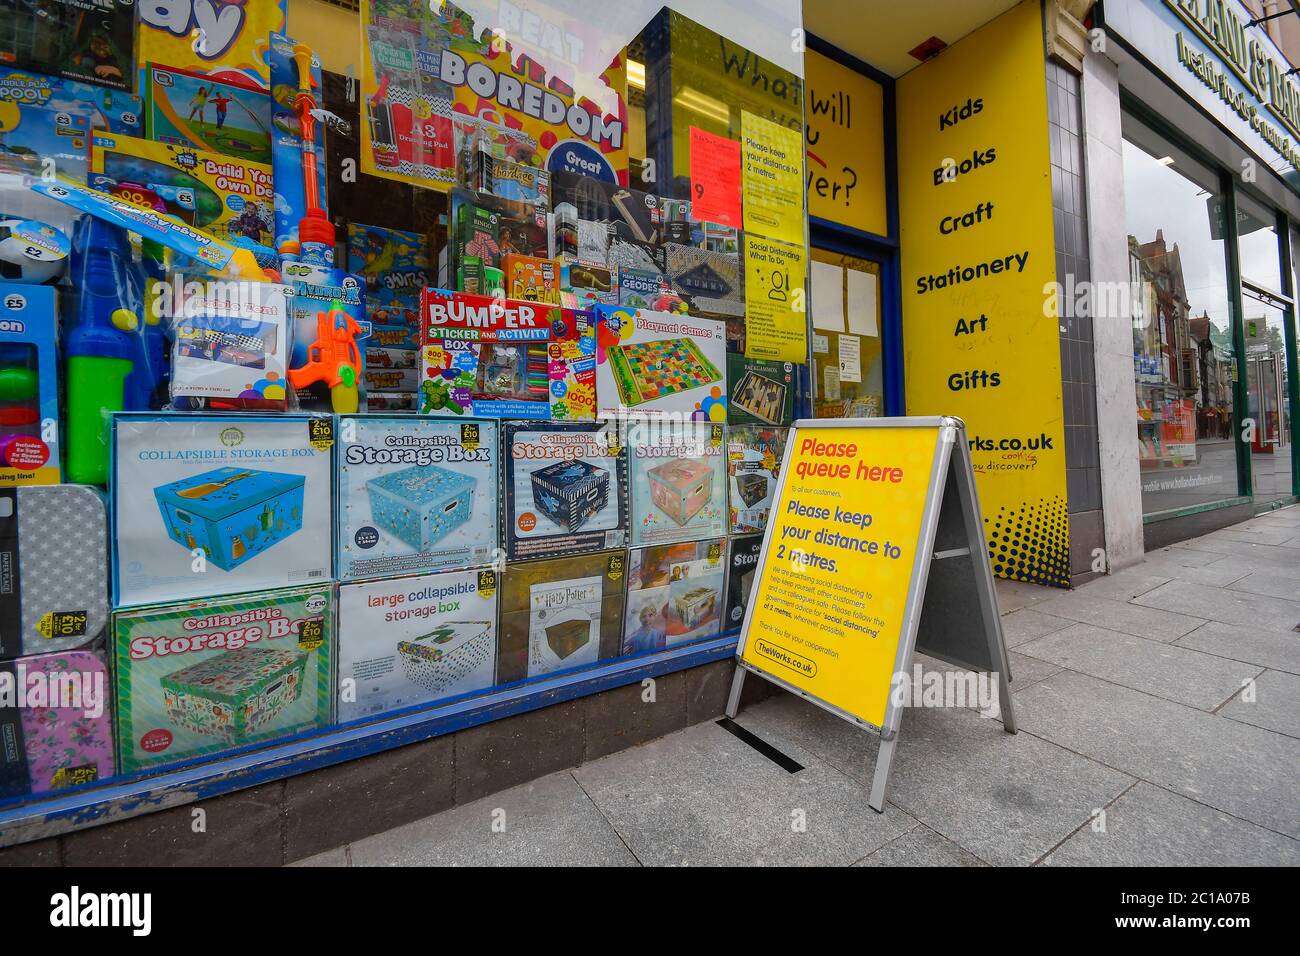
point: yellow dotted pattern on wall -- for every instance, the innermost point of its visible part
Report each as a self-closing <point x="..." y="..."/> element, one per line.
<point x="1031" y="544"/>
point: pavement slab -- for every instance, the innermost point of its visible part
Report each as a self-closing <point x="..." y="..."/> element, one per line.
<point x="1275" y="705"/>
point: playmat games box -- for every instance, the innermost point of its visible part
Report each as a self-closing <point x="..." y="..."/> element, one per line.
<point x="657" y="363"/>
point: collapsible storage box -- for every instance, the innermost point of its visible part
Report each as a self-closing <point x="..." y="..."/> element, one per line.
<point x="681" y="488"/>
<point x="232" y="513"/>
<point x="235" y="694"/>
<point x="447" y="654"/>
<point x="570" y="492"/>
<point x="696" y="606"/>
<point x="421" y="505"/>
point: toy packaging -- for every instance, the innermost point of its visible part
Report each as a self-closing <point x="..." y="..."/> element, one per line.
<point x="55" y="722"/>
<point x="761" y="391"/>
<point x="311" y="310"/>
<point x="565" y="489"/>
<point x="710" y="283"/>
<point x="165" y="36"/>
<point x="678" y="480"/>
<point x="219" y="504"/>
<point x="114" y="111"/>
<point x="754" y="454"/>
<point x="31" y="136"/>
<point x="286" y="140"/>
<point x="415" y="495"/>
<point x="560" y="614"/>
<point x="390" y="261"/>
<point x="745" y="551"/>
<point x="498" y="358"/>
<point x="415" y="640"/>
<point x="585" y="286"/>
<point x="228" y="197"/>
<point x="53" y="596"/>
<point x="656" y="363"/>
<point x="29" y="386"/>
<point x="197" y="677"/>
<point x="231" y="347"/>
<point x="531" y="279"/>
<point x="674" y="595"/>
<point x="201" y="112"/>
<point x="85" y="40"/>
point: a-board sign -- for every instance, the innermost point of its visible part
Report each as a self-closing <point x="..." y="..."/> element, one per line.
<point x="875" y="548"/>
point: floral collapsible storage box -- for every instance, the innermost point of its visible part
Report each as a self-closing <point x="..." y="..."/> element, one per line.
<point x="232" y="513"/>
<point x="681" y="488"/>
<point x="570" y="492"/>
<point x="235" y="694"/>
<point x="421" y="505"/>
<point x="696" y="606"/>
<point x="445" y="655"/>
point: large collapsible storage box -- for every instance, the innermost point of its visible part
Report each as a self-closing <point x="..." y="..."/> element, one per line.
<point x="681" y="488"/>
<point x="421" y="505"/>
<point x="447" y="654"/>
<point x="570" y="492"/>
<point x="232" y="513"/>
<point x="234" y="694"/>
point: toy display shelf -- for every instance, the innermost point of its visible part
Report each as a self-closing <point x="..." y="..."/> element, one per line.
<point x="133" y="795"/>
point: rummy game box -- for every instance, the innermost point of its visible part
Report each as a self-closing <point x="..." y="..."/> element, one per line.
<point x="198" y="677"/>
<point x="677" y="474"/>
<point x="659" y="363"/>
<point x="414" y="495"/>
<point x="219" y="504"/>
<point x="565" y="489"/>
<point x="415" y="640"/>
<point x="754" y="454"/>
<point x="760" y="391"/>
<point x="560" y="614"/>
<point x="674" y="594"/>
<point x="741" y="572"/>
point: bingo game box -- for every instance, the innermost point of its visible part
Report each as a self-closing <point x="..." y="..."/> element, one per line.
<point x="762" y="392"/>
<point x="218" y="504"/>
<point x="201" y="676"/>
<point x="674" y="594"/>
<point x="678" y="481"/>
<point x="415" y="495"/>
<point x="744" y="552"/>
<point x="660" y="362"/>
<point x="754" y="454"/>
<point x="559" y="614"/>
<point x="53" y="597"/>
<point x="66" y="738"/>
<point x="565" y="489"/>
<point x="415" y="640"/>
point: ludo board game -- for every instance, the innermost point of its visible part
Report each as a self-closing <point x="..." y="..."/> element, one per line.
<point x="674" y="594"/>
<point x="678" y="480"/>
<point x="655" y="363"/>
<point x="754" y="454"/>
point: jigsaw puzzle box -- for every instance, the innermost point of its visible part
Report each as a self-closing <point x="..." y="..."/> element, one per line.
<point x="754" y="454"/>
<point x="414" y="495"/>
<point x="565" y="489"/>
<point x="677" y="474"/>
<point x="560" y="614"/>
<point x="197" y="677"/>
<point x="660" y="363"/>
<point x="219" y="504"/>
<point x="674" y="595"/>
<point x="415" y="640"/>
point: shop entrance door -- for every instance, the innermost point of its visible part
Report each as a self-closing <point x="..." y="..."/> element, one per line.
<point x="1268" y="408"/>
<point x="848" y="358"/>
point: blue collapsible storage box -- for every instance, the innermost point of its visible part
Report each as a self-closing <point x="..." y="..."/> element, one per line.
<point x="232" y="513"/>
<point x="421" y="505"/>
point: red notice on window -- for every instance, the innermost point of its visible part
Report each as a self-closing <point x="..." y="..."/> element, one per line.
<point x="715" y="179"/>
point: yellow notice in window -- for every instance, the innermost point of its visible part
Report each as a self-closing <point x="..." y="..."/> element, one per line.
<point x="775" y="300"/>
<point x="772" y="179"/>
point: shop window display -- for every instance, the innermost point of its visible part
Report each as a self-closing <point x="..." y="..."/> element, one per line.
<point x="359" y="372"/>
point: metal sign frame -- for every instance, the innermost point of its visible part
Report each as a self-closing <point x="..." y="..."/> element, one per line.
<point x="952" y="471"/>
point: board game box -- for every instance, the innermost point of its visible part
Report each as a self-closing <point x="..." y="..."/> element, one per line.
<point x="674" y="594"/>
<point x="415" y="640"/>
<point x="743" y="565"/>
<point x="197" y="677"/>
<point x="414" y="495"/>
<point x="754" y="454"/>
<point x="218" y="504"/>
<point x="677" y="473"/>
<point x="658" y="363"/>
<point x="761" y="391"/>
<point x="59" y="733"/>
<point x="201" y="112"/>
<point x="560" y="614"/>
<point x="565" y="489"/>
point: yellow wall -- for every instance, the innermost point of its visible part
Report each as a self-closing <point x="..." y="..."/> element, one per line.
<point x="844" y="113"/>
<point x="332" y="32"/>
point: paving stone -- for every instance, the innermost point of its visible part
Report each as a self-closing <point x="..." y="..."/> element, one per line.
<point x="549" y="822"/>
<point x="336" y="857"/>
<point x="1026" y="670"/>
<point x="1126" y="584"/>
<point x="1166" y="670"/>
<point x="1181" y="556"/>
<point x="1006" y="798"/>
<point x="1277" y="536"/>
<point x="1225" y="606"/>
<point x="1276" y="584"/>
<point x="1014" y="595"/>
<point x="1152" y="623"/>
<point x="1272" y="649"/>
<point x="1021" y="626"/>
<point x="704" y="797"/>
<point x="1242" y="770"/>
<point x="921" y="847"/>
<point x="1256" y="556"/>
<point x="1276" y="705"/>
<point x="1149" y="826"/>
<point x="1217" y="574"/>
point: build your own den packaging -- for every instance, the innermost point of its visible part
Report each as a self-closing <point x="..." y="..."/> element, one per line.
<point x="219" y="504"/>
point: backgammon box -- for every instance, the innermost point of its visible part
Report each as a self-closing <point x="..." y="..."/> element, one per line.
<point x="754" y="454"/>
<point x="674" y="595"/>
<point x="759" y="391"/>
<point x="678" y="481"/>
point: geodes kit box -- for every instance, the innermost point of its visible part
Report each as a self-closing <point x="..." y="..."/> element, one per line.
<point x="202" y="676"/>
<point x="415" y="640"/>
<point x="678" y="480"/>
<point x="414" y="495"/>
<point x="560" y="614"/>
<point x="565" y="489"/>
<point x="754" y="454"/>
<point x="674" y="594"/>
<point x="219" y="504"/>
